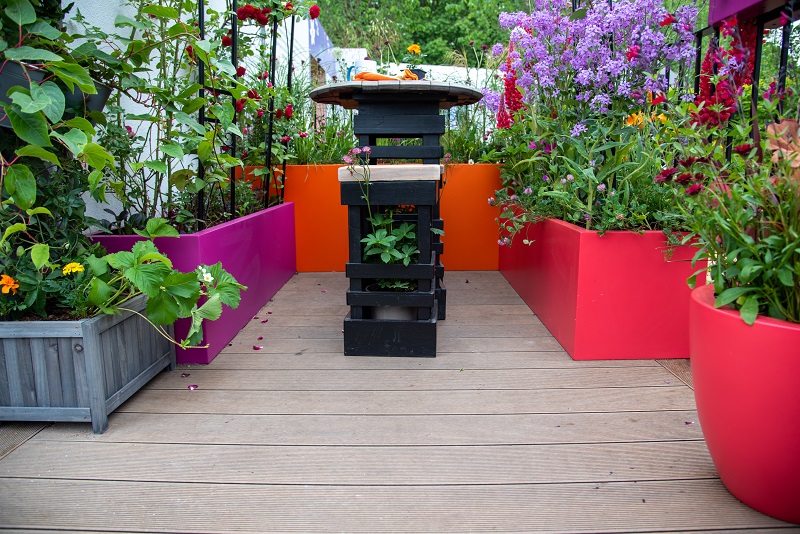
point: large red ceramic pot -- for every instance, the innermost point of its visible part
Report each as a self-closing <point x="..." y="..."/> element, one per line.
<point x="747" y="388"/>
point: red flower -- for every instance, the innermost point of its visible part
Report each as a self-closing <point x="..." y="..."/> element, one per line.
<point x="240" y="104"/>
<point x="683" y="178"/>
<point x="130" y="131"/>
<point x="244" y="154"/>
<point x="266" y="11"/>
<point x="784" y="20"/>
<point x="699" y="177"/>
<point x="659" y="99"/>
<point x="303" y="134"/>
<point x="227" y="41"/>
<point x="190" y="52"/>
<point x="633" y="52"/>
<point x="288" y="112"/>
<point x="688" y="162"/>
<point x="744" y="149"/>
<point x="252" y="93"/>
<point x="240" y="71"/>
<point x="263" y="76"/>
<point x="278" y="113"/>
<point x="669" y="19"/>
<point x="693" y="189"/>
<point x="262" y="19"/>
<point x="666" y="175"/>
<point x="285" y="139"/>
<point x="288" y="6"/>
<point x="314" y="11"/>
<point x="260" y="113"/>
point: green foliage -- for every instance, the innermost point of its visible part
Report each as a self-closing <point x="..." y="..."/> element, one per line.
<point x="391" y="242"/>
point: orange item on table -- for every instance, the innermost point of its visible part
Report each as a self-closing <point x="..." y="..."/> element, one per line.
<point x="375" y="77"/>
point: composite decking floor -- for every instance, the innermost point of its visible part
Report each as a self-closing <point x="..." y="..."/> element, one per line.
<point x="502" y="431"/>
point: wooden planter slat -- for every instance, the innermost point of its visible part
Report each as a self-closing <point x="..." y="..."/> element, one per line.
<point x="390" y="298"/>
<point x="390" y="193"/>
<point x="370" y="270"/>
<point x="78" y="376"/>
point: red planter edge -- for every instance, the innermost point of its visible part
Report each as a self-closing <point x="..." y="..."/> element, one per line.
<point x="748" y="401"/>
<point x="620" y="296"/>
<point x="258" y="250"/>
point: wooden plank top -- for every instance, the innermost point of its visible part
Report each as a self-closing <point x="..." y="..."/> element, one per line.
<point x="392" y="173"/>
<point x="345" y="93"/>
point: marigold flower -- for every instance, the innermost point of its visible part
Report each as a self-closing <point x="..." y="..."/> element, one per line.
<point x="72" y="267"/>
<point x="635" y="119"/>
<point x="9" y="284"/>
<point x="314" y="11"/>
<point x="414" y="49"/>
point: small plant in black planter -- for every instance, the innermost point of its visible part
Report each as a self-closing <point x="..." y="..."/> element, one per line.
<point x="391" y="242"/>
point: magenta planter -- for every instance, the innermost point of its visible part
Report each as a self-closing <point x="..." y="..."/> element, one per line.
<point x="719" y="10"/>
<point x="748" y="402"/>
<point x="258" y="250"/>
<point x="620" y="296"/>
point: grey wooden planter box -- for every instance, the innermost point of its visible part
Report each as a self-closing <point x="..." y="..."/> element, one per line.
<point x="78" y="370"/>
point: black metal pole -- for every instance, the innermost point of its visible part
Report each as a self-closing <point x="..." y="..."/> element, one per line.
<point x="785" y="43"/>
<point x="271" y="111"/>
<point x="235" y="61"/>
<point x="289" y="88"/>
<point x="201" y="117"/>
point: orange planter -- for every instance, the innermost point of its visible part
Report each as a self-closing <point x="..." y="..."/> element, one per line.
<point x="470" y="230"/>
<point x="320" y="218"/>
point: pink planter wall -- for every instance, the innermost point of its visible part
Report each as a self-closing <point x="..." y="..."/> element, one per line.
<point x="748" y="401"/>
<point x="719" y="10"/>
<point x="610" y="297"/>
<point x="258" y="250"/>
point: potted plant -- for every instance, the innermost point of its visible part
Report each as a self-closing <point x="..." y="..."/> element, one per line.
<point x="579" y="136"/>
<point x="413" y="59"/>
<point x="744" y="210"/>
<point x="177" y="159"/>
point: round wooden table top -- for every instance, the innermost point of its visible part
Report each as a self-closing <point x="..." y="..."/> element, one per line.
<point x="346" y="94"/>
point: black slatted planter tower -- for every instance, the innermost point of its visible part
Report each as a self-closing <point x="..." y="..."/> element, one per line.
<point x="388" y="110"/>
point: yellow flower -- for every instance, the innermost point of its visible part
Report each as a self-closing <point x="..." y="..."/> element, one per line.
<point x="635" y="119"/>
<point x="9" y="284"/>
<point x="661" y="117"/>
<point x="72" y="268"/>
<point x="414" y="49"/>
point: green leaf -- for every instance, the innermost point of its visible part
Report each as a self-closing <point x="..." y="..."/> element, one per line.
<point x="749" y="310"/>
<point x="147" y="277"/>
<point x="21" y="185"/>
<point x="40" y="254"/>
<point x="211" y="309"/>
<point x="158" y="227"/>
<point x="52" y="96"/>
<point x="122" y="20"/>
<point x="83" y="125"/>
<point x="34" y="151"/>
<point x="730" y="295"/>
<point x="186" y="120"/>
<point x="99" y="266"/>
<point x="99" y="292"/>
<point x="41" y="210"/>
<point x="174" y="151"/>
<point x="31" y="128"/>
<point x="26" y="103"/>
<point x="96" y="156"/>
<point x="161" y="11"/>
<point x="226" y="286"/>
<point x="178" y="296"/>
<point x="75" y="140"/>
<point x="43" y="29"/>
<point x="158" y="166"/>
<point x="162" y="308"/>
<point x="21" y="12"/>
<point x="180" y="178"/>
<point x="786" y="277"/>
<point x="27" y="53"/>
<point x="11" y="230"/>
<point x="72" y="73"/>
<point x="579" y="14"/>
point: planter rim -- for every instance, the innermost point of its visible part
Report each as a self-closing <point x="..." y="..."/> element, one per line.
<point x="577" y="228"/>
<point x="134" y="302"/>
<point x="705" y="297"/>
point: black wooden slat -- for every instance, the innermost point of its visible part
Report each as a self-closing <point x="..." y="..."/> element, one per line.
<point x="373" y="270"/>
<point x="389" y="298"/>
<point x="407" y="152"/>
<point x="394" y="126"/>
<point x="391" y="193"/>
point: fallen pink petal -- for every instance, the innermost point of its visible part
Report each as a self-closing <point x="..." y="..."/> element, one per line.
<point x="255" y="317"/>
<point x="324" y="290"/>
<point x="264" y="320"/>
<point x="257" y="347"/>
<point x="184" y="375"/>
<point x="688" y="422"/>
<point x="192" y="387"/>
<point x="260" y="338"/>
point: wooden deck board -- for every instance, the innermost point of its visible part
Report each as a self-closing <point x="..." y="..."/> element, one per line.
<point x="647" y="506"/>
<point x="502" y="431"/>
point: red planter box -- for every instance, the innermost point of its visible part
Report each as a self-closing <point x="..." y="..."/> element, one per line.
<point x="719" y="10"/>
<point x="748" y="401"/>
<point x="258" y="250"/>
<point x="617" y="297"/>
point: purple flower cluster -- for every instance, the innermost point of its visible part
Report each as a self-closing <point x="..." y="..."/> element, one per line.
<point x="611" y="53"/>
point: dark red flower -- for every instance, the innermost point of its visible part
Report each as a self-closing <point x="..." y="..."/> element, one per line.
<point x="314" y="11"/>
<point x="263" y="76"/>
<point x="669" y="19"/>
<point x="266" y="10"/>
<point x="240" y="71"/>
<point x="683" y="178"/>
<point x="285" y="139"/>
<point x="130" y="131"/>
<point x="278" y="113"/>
<point x="693" y="189"/>
<point x="288" y="6"/>
<point x="244" y="154"/>
<point x="252" y="93"/>
<point x="699" y="177"/>
<point x="260" y="113"/>
<point x="240" y="104"/>
<point x="227" y="41"/>
<point x="262" y="18"/>
<point x="744" y="149"/>
<point x="633" y="52"/>
<point x="688" y="162"/>
<point x="666" y="175"/>
<point x="190" y="52"/>
<point x="288" y="112"/>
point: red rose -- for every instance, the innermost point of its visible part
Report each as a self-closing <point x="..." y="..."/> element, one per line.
<point x="288" y="112"/>
<point x="263" y="76"/>
<point x="278" y="113"/>
<point x="227" y="41"/>
<point x="240" y="71"/>
<point x="262" y="19"/>
<point x="285" y="139"/>
<point x="288" y="6"/>
<point x="743" y="150"/>
<point x="252" y="93"/>
<point x="260" y="113"/>
<point x="314" y="11"/>
<point x="240" y="104"/>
